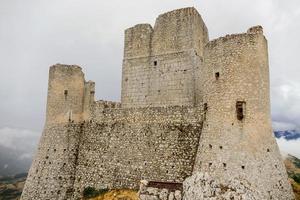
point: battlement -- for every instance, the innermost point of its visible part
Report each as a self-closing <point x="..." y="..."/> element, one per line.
<point x="184" y="11"/>
<point x="256" y="30"/>
<point x="107" y="104"/>
<point x="66" y="67"/>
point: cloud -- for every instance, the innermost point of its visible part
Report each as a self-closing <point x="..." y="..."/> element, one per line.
<point x="22" y="142"/>
<point x="285" y="103"/>
<point x="17" y="147"/>
<point x="289" y="147"/>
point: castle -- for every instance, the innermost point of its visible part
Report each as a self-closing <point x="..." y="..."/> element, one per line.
<point x="188" y="105"/>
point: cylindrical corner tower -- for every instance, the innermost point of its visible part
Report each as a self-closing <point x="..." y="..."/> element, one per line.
<point x="237" y="140"/>
<point x="52" y="173"/>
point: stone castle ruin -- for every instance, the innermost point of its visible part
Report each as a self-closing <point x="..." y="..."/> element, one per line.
<point x="194" y="114"/>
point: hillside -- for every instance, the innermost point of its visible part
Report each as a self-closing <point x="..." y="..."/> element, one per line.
<point x="293" y="168"/>
<point x="11" y="186"/>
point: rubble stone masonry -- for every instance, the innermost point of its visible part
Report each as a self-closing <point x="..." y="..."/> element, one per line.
<point x="194" y="113"/>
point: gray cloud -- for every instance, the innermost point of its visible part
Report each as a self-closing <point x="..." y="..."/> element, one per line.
<point x="289" y="147"/>
<point x="36" y="34"/>
<point x="17" y="147"/>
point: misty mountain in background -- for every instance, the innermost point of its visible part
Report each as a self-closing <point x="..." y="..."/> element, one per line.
<point x="288" y="135"/>
<point x="11" y="163"/>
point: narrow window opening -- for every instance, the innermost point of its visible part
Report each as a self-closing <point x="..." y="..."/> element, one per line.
<point x="268" y="150"/>
<point x="66" y="94"/>
<point x="217" y="75"/>
<point x="224" y="164"/>
<point x="209" y="164"/>
<point x="243" y="167"/>
<point x="210" y="146"/>
<point x="221" y="147"/>
<point x="155" y="63"/>
<point x="205" y="107"/>
<point x="240" y="109"/>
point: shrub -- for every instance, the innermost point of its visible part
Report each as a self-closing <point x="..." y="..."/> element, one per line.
<point x="91" y="192"/>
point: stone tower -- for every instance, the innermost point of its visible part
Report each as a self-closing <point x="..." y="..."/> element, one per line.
<point x="52" y="173"/>
<point x="161" y="64"/>
<point x="188" y="105"/>
<point x="237" y="139"/>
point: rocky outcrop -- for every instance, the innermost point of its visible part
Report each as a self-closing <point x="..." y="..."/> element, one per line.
<point x="202" y="186"/>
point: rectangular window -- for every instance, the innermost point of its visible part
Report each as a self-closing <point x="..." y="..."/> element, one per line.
<point x="217" y="75"/>
<point x="240" y="110"/>
<point x="66" y="94"/>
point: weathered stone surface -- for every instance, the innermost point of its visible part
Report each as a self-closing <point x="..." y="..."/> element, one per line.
<point x="188" y="105"/>
<point x="202" y="186"/>
<point x="160" y="192"/>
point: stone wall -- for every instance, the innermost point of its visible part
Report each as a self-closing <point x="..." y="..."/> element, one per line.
<point x="160" y="65"/>
<point x="188" y="106"/>
<point x="160" y="190"/>
<point x="237" y="139"/>
<point x="69" y="96"/>
<point x="52" y="173"/>
<point x="120" y="147"/>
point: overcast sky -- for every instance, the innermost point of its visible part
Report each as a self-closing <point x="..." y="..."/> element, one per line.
<point x="35" y="34"/>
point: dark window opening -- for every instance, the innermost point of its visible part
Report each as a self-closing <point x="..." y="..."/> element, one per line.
<point x="224" y="164"/>
<point x="155" y="63"/>
<point x="217" y="75"/>
<point x="66" y="94"/>
<point x="205" y="107"/>
<point x="210" y="164"/>
<point x="92" y="92"/>
<point x="210" y="146"/>
<point x="221" y="147"/>
<point x="268" y="150"/>
<point x="240" y="108"/>
<point x="243" y="167"/>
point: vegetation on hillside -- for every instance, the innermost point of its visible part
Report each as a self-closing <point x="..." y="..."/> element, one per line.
<point x="292" y="165"/>
<point x="11" y="186"/>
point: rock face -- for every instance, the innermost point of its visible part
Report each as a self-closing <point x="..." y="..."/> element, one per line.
<point x="160" y="191"/>
<point x="203" y="186"/>
<point x="188" y="105"/>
